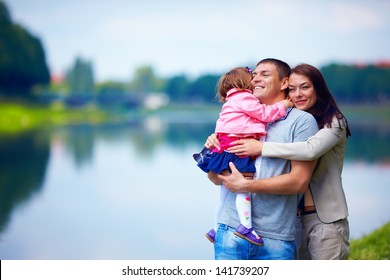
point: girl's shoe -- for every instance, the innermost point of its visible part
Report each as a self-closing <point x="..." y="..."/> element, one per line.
<point x="247" y="234"/>
<point x="211" y="235"/>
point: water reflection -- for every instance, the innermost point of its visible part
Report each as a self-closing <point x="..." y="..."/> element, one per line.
<point x="23" y="163"/>
<point x="369" y="143"/>
<point x="132" y="191"/>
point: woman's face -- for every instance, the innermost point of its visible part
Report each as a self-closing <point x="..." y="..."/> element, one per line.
<point x="302" y="92"/>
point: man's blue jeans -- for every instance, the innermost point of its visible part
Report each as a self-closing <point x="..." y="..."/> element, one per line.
<point x="228" y="246"/>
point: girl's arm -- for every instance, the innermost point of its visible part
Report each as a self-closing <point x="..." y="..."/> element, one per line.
<point x="251" y="106"/>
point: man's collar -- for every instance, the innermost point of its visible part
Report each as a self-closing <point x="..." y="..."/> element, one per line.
<point x="287" y="112"/>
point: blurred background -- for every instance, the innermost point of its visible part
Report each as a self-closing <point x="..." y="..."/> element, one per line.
<point x="103" y="103"/>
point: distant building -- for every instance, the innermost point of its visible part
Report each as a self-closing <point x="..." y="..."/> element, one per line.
<point x="57" y="79"/>
<point x="156" y="100"/>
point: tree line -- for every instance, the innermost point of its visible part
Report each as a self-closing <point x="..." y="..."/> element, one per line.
<point x="24" y="73"/>
<point x="22" y="57"/>
<point x="348" y="84"/>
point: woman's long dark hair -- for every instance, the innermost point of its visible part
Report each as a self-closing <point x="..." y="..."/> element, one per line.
<point x="325" y="107"/>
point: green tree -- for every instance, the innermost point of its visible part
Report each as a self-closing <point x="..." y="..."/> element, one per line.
<point x="375" y="84"/>
<point x="340" y="79"/>
<point x="145" y="81"/>
<point x="177" y="88"/>
<point x="81" y="78"/>
<point x="203" y="89"/>
<point x="111" y="93"/>
<point x="22" y="58"/>
<point x="358" y="84"/>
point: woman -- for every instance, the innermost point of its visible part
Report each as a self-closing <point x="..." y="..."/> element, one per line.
<point x="324" y="211"/>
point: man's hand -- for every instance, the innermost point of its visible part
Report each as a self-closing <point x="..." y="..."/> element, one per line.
<point x="236" y="181"/>
<point x="246" y="147"/>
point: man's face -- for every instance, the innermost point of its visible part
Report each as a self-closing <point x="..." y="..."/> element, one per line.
<point x="266" y="83"/>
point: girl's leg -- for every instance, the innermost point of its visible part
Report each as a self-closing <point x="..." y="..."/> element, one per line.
<point x="245" y="230"/>
<point x="244" y="209"/>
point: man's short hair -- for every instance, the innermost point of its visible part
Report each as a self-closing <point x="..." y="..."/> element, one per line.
<point x="282" y="67"/>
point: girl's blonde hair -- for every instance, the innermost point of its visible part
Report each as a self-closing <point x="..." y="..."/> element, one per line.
<point x="239" y="77"/>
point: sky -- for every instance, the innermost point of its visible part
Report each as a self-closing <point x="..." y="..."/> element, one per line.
<point x="203" y="36"/>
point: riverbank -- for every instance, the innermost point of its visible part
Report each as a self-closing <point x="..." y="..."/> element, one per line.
<point x="16" y="116"/>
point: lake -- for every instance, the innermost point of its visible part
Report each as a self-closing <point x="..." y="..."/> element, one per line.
<point x="133" y="191"/>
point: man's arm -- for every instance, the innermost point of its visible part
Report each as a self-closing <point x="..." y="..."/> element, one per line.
<point x="213" y="177"/>
<point x="297" y="181"/>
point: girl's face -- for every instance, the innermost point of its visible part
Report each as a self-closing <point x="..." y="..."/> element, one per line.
<point x="302" y="92"/>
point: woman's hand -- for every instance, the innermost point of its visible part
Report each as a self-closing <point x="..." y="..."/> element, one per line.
<point x="212" y="142"/>
<point x="246" y="147"/>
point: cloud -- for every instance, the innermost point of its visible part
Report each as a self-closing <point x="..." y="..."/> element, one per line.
<point x="351" y="17"/>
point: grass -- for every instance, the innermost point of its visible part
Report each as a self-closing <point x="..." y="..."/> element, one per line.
<point x="375" y="246"/>
<point x="16" y="117"/>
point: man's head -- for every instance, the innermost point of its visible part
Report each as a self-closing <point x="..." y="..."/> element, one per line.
<point x="270" y="80"/>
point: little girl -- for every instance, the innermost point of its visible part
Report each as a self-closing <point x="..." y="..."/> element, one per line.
<point x="242" y="116"/>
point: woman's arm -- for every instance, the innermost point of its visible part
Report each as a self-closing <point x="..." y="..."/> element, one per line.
<point x="317" y="145"/>
<point x="246" y="147"/>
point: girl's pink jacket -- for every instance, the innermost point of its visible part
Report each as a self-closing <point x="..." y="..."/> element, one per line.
<point x="242" y="113"/>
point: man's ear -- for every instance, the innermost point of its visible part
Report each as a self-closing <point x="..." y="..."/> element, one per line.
<point x="284" y="83"/>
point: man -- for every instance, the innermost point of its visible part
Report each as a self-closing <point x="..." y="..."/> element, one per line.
<point x="278" y="184"/>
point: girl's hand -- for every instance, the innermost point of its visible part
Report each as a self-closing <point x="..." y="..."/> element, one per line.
<point x="287" y="103"/>
<point x="246" y="147"/>
<point x="289" y="99"/>
<point x="212" y="142"/>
